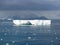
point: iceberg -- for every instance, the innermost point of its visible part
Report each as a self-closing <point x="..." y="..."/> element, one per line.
<point x="32" y="22"/>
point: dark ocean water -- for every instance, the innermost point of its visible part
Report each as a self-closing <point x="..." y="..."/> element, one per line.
<point x="29" y="35"/>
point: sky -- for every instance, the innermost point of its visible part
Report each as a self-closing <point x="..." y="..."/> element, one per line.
<point x="29" y="4"/>
<point x="30" y="8"/>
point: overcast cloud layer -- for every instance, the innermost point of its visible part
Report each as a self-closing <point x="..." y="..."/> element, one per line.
<point x="35" y="8"/>
<point x="29" y="4"/>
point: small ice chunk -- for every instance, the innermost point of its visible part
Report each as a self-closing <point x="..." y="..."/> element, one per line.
<point x="55" y="33"/>
<point x="52" y="41"/>
<point x="7" y="43"/>
<point x="1" y="39"/>
<point x="56" y="37"/>
<point x="34" y="33"/>
<point x="26" y="43"/>
<point x="5" y="34"/>
<point x="13" y="41"/>
<point x="29" y="37"/>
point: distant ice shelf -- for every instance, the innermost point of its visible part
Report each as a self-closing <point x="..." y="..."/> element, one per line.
<point x="31" y="22"/>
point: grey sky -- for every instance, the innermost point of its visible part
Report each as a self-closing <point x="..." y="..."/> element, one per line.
<point x="49" y="7"/>
<point x="30" y="4"/>
<point x="26" y="1"/>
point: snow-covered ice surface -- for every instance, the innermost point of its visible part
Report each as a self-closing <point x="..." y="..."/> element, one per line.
<point x="32" y="22"/>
